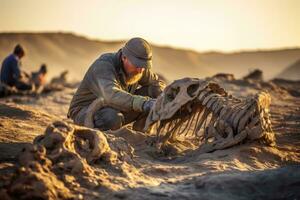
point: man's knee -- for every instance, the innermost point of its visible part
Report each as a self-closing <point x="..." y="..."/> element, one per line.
<point x="108" y="119"/>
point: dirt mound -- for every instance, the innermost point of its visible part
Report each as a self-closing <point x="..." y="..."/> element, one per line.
<point x="64" y="157"/>
<point x="35" y="180"/>
<point x="293" y="87"/>
<point x="256" y="75"/>
<point x="292" y="72"/>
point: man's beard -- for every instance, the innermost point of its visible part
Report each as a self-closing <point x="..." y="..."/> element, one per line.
<point x="133" y="78"/>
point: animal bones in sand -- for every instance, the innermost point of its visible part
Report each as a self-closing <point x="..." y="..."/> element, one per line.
<point x="206" y="111"/>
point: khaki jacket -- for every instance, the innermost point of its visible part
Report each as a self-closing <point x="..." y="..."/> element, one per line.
<point x="106" y="78"/>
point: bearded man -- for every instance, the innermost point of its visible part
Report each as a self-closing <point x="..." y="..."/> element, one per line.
<point x="126" y="83"/>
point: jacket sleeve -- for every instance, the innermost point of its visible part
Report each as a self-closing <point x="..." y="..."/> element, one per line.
<point x="103" y="83"/>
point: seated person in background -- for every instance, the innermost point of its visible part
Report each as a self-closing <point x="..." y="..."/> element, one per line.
<point x="127" y="84"/>
<point x="39" y="78"/>
<point x="11" y="73"/>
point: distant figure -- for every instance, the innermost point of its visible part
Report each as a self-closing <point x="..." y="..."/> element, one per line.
<point x="39" y="78"/>
<point x="126" y="83"/>
<point x="11" y="73"/>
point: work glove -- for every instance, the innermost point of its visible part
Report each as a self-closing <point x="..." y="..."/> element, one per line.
<point x="148" y="105"/>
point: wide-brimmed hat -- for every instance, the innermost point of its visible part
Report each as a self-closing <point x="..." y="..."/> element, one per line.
<point x="139" y="52"/>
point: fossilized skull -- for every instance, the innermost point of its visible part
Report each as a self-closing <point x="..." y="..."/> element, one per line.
<point x="205" y="109"/>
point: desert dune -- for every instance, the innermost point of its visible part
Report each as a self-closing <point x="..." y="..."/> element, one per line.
<point x="67" y="51"/>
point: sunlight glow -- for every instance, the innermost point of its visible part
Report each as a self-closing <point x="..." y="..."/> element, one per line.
<point x="226" y="25"/>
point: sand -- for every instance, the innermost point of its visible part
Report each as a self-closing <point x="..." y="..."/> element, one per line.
<point x="134" y="170"/>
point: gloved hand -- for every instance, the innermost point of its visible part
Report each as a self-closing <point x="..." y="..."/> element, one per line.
<point x="148" y="105"/>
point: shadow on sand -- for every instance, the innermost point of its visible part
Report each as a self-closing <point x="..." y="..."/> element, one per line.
<point x="280" y="183"/>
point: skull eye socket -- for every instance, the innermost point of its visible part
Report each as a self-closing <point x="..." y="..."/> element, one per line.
<point x="172" y="93"/>
<point x="192" y="89"/>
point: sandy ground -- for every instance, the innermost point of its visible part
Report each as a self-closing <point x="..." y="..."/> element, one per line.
<point x="245" y="171"/>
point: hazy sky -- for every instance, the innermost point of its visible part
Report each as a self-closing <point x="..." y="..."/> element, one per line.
<point x="227" y="25"/>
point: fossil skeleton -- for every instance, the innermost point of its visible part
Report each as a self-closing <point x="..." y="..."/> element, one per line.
<point x="203" y="109"/>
